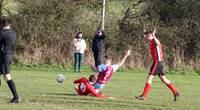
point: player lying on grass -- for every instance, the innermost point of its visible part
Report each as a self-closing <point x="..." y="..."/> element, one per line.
<point x="157" y="66"/>
<point x="85" y="87"/>
<point x="105" y="71"/>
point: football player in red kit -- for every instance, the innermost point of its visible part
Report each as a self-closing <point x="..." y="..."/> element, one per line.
<point x="85" y="87"/>
<point x="157" y="67"/>
<point x="105" y="71"/>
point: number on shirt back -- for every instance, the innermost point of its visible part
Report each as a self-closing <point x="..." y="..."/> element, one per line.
<point x="82" y="87"/>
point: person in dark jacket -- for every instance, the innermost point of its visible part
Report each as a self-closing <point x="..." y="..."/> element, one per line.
<point x="7" y="42"/>
<point x="1" y="29"/>
<point x="97" y="46"/>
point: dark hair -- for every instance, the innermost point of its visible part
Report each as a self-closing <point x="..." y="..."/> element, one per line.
<point x="147" y="32"/>
<point x="6" y="22"/>
<point x="78" y="34"/>
<point x="107" y="57"/>
<point x="92" y="78"/>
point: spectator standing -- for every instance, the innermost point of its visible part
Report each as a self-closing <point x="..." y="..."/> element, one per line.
<point x="79" y="46"/>
<point x="98" y="46"/>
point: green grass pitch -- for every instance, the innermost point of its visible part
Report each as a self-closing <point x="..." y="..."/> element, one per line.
<point x="40" y="91"/>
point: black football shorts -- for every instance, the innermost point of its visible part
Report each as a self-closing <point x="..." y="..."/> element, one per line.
<point x="5" y="62"/>
<point x="157" y="69"/>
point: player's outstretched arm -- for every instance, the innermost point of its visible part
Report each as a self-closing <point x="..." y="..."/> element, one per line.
<point x="155" y="38"/>
<point x="77" y="81"/>
<point x="128" y="52"/>
<point x="154" y="32"/>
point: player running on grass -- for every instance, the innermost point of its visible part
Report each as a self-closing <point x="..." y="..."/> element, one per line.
<point x="157" y="67"/>
<point x="105" y="71"/>
<point x="86" y="88"/>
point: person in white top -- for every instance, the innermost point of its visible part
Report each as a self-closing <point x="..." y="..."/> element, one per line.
<point x="79" y="46"/>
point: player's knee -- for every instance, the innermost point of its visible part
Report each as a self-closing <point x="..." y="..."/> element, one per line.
<point x="150" y="78"/>
<point x="98" y="90"/>
<point x="7" y="77"/>
<point x="149" y="81"/>
<point x="165" y="80"/>
<point x="162" y="79"/>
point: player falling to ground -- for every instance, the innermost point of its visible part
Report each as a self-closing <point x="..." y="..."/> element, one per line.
<point x="7" y="41"/>
<point x="157" y="67"/>
<point x="85" y="87"/>
<point x="105" y="71"/>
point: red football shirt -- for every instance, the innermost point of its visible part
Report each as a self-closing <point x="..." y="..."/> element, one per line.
<point x="156" y="51"/>
<point x="85" y="88"/>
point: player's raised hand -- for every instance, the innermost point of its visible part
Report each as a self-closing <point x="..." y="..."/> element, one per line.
<point x="154" y="32"/>
<point x="128" y="52"/>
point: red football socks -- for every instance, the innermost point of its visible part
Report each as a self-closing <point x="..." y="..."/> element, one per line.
<point x="146" y="89"/>
<point x="171" y="86"/>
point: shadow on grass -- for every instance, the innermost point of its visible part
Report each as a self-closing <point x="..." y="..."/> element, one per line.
<point x="62" y="94"/>
<point x="73" y="99"/>
<point x="127" y="103"/>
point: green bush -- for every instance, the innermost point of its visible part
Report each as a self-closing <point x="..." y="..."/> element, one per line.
<point x="45" y="29"/>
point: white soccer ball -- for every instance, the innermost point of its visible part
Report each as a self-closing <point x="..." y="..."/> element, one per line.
<point x="60" y="78"/>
